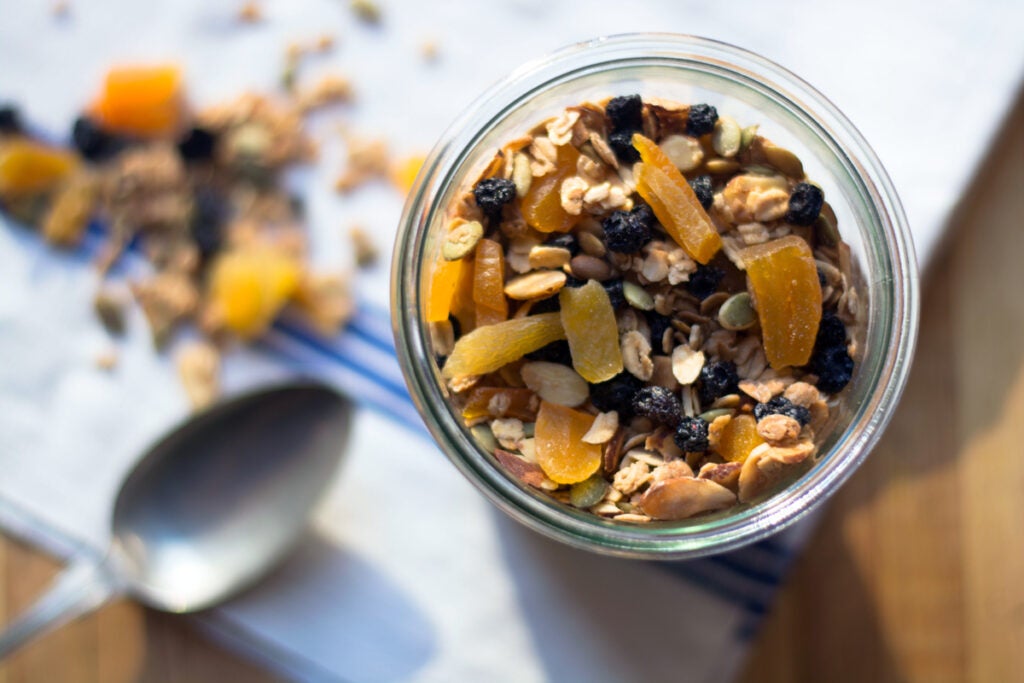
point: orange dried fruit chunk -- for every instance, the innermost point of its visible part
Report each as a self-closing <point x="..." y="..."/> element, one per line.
<point x="787" y="294"/>
<point x="590" y="328"/>
<point x="443" y="282"/>
<point x="145" y="101"/>
<point x="672" y="199"/>
<point x="478" y="404"/>
<point x="462" y="305"/>
<point x="249" y="287"/>
<point x="28" y="168"/>
<point x="542" y="205"/>
<point x="403" y="175"/>
<point x="561" y="451"/>
<point x="489" y="283"/>
<point x="486" y="349"/>
<point x="739" y="438"/>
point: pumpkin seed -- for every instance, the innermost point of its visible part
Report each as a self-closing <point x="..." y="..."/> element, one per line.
<point x="721" y="166"/>
<point x="485" y="437"/>
<point x="637" y="297"/>
<point x="784" y="160"/>
<point x="737" y="313"/>
<point x="727" y="137"/>
<point x="588" y="492"/>
<point x="461" y="240"/>
<point x="710" y="416"/>
<point x="747" y="136"/>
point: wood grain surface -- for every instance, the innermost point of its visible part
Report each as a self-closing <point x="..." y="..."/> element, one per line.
<point x="916" y="572"/>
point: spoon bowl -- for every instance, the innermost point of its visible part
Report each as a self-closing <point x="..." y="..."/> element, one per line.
<point x="209" y="509"/>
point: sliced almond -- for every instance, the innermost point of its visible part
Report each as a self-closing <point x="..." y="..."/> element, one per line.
<point x="683" y="151"/>
<point x="538" y="284"/>
<point x="461" y="240"/>
<point x="686" y="364"/>
<point x="604" y="428"/>
<point x="674" y="499"/>
<point x="555" y="383"/>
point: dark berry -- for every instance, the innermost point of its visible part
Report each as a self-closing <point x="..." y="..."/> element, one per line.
<point x="704" y="281"/>
<point x="692" y="435"/>
<point x="197" y="145"/>
<point x="658" y="324"/>
<point x="822" y="280"/>
<point x="616" y="393"/>
<point x="658" y="404"/>
<point x="492" y="194"/>
<point x="549" y="305"/>
<point x="701" y="120"/>
<point x="781" y="405"/>
<point x="717" y="378"/>
<point x="831" y="331"/>
<point x="92" y="142"/>
<point x="565" y="241"/>
<point x="10" y="119"/>
<point x="702" y="188"/>
<point x="833" y="366"/>
<point x="625" y="112"/>
<point x="621" y="142"/>
<point x="804" y="204"/>
<point x="209" y="215"/>
<point x="555" y="352"/>
<point x="626" y="232"/>
<point x="643" y="215"/>
<point x="615" y="292"/>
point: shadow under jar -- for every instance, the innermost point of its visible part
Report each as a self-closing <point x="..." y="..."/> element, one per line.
<point x="750" y="90"/>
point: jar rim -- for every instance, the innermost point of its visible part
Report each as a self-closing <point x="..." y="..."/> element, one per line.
<point x="582" y="530"/>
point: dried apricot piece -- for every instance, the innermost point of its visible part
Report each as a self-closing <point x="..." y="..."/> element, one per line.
<point x="489" y="283"/>
<point x="462" y="305"/>
<point x="673" y="201"/>
<point x="28" y="168"/>
<point x="738" y="438"/>
<point x="542" y="205"/>
<point x="561" y="451"/>
<point x="787" y="294"/>
<point x="144" y="101"/>
<point x="487" y="348"/>
<point x="590" y="327"/>
<point x="249" y="287"/>
<point x="403" y="175"/>
<point x="520" y="405"/>
<point x="443" y="281"/>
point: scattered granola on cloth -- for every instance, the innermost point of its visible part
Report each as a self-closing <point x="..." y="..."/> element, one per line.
<point x="659" y="263"/>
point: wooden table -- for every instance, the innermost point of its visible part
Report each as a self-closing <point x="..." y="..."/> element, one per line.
<point x="917" y="571"/>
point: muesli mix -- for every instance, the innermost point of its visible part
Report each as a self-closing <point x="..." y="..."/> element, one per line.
<point x="644" y="310"/>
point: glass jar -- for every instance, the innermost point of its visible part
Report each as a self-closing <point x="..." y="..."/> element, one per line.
<point x="793" y="115"/>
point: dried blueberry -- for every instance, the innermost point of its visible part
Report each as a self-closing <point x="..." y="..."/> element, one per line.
<point x="626" y="232"/>
<point x="10" y="119"/>
<point x="616" y="393"/>
<point x="555" y="352"/>
<point x="621" y="142"/>
<point x="92" y="142"/>
<point x="643" y="215"/>
<point x="197" y="145"/>
<point x="615" y="292"/>
<point x="492" y="194"/>
<point x="701" y="120"/>
<point x="692" y="435"/>
<point x="704" y="281"/>
<point x="833" y="366"/>
<point x="781" y="405"/>
<point x="625" y="112"/>
<point x="717" y="378"/>
<point x="702" y="188"/>
<point x="658" y="404"/>
<point x="831" y="331"/>
<point x="658" y="324"/>
<point x="805" y="204"/>
<point x="565" y="240"/>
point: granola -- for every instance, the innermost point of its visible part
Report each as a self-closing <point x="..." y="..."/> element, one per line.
<point x="666" y="296"/>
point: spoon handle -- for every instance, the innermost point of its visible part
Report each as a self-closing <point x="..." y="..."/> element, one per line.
<point x="82" y="587"/>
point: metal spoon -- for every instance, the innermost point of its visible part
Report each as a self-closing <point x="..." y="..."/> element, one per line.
<point x="208" y="510"/>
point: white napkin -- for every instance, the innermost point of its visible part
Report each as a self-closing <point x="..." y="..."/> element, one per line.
<point x="408" y="573"/>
